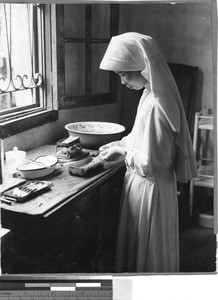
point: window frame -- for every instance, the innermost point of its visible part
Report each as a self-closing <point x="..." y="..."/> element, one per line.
<point x="89" y="99"/>
<point x="33" y="117"/>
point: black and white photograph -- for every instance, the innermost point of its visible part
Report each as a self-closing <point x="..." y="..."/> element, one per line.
<point x="108" y="137"/>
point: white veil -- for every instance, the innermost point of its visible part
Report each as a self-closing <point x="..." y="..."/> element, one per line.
<point x="136" y="52"/>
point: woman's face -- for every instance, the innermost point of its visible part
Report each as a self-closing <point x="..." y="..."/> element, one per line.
<point x="132" y="79"/>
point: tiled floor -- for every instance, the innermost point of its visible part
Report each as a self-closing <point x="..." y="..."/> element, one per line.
<point x="197" y="249"/>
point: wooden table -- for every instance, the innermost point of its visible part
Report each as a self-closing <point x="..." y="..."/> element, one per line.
<point x="67" y="228"/>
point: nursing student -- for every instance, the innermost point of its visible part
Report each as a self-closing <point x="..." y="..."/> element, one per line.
<point x="158" y="152"/>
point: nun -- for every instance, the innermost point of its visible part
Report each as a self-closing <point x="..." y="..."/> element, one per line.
<point x="158" y="152"/>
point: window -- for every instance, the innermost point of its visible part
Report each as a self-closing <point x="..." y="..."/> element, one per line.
<point x="83" y="35"/>
<point x="25" y="65"/>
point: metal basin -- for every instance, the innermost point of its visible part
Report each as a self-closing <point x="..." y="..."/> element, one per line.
<point x="95" y="134"/>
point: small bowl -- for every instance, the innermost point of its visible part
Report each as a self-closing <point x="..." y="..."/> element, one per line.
<point x="95" y="134"/>
<point x="40" y="167"/>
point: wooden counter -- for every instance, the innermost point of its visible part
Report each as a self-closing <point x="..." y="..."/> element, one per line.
<point x="70" y="228"/>
<point x="65" y="186"/>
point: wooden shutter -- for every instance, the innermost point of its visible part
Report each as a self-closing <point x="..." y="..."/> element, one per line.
<point x="83" y="33"/>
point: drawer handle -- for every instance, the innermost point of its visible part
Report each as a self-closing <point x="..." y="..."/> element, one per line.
<point x="76" y="218"/>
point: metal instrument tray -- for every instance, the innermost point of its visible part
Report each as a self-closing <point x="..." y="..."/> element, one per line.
<point x="26" y="191"/>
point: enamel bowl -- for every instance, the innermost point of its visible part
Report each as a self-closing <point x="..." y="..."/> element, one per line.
<point x="95" y="134"/>
<point x="40" y="167"/>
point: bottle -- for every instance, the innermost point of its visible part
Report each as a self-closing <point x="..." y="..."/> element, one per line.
<point x="13" y="159"/>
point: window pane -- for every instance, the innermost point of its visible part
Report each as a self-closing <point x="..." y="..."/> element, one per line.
<point x="19" y="55"/>
<point x="74" y="69"/>
<point x="74" y="21"/>
<point x="21" y="43"/>
<point x="17" y="99"/>
<point x="101" y="20"/>
<point x="23" y="98"/>
<point x="5" y="101"/>
<point x="100" y="78"/>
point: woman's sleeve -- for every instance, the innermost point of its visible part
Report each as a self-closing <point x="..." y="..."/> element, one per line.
<point x="156" y="144"/>
<point x="126" y="139"/>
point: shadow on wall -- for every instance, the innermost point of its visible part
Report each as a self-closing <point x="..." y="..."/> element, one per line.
<point x="199" y="91"/>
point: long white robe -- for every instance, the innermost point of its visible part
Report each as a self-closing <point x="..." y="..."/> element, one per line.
<point x="148" y="239"/>
<point x="159" y="152"/>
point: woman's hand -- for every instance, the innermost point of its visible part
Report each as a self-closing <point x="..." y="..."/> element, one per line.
<point x="120" y="143"/>
<point x="113" y="153"/>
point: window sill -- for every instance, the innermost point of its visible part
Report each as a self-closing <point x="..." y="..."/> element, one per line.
<point x="24" y="123"/>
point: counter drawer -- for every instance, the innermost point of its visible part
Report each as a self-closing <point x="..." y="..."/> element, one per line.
<point x="74" y="220"/>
